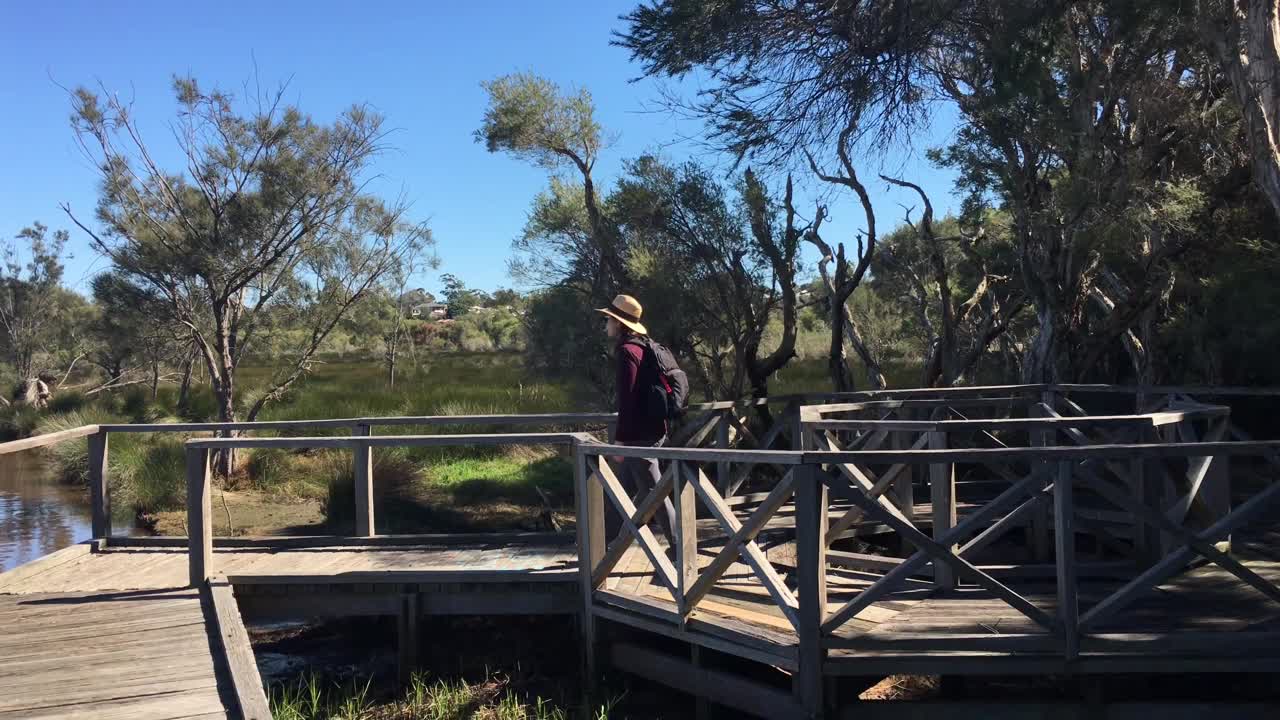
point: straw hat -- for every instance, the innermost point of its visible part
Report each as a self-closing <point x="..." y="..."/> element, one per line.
<point x="626" y="310"/>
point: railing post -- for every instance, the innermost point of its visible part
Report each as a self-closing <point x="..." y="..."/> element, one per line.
<point x="199" y="517"/>
<point x="1038" y="525"/>
<point x="811" y="575"/>
<point x="722" y="443"/>
<point x="1065" y="546"/>
<point x="99" y="476"/>
<point x="589" y="507"/>
<point x="942" y="493"/>
<point x="686" y="536"/>
<point x="364" y="484"/>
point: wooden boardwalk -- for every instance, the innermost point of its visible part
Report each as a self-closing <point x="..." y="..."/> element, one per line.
<point x="111" y="630"/>
<point x="121" y="655"/>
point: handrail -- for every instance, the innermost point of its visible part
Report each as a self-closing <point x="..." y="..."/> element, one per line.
<point x="199" y="479"/>
<point x="358" y="441"/>
<point x="39" y="441"/>
<point x="1156" y="419"/>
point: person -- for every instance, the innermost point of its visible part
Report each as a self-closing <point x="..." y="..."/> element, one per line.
<point x="636" y="427"/>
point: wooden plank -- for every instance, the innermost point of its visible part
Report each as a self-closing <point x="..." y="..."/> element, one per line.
<point x="686" y="537"/>
<point x="12" y="580"/>
<point x="199" y="519"/>
<point x="363" y="484"/>
<point x="724" y="688"/>
<point x="387" y="441"/>
<point x="913" y="564"/>
<point x="1194" y="543"/>
<point x="760" y="457"/>
<point x="1121" y="451"/>
<point x="99" y="492"/>
<point x="740" y="535"/>
<point x="645" y="511"/>
<point x="1065" y="547"/>
<point x="811" y="573"/>
<point x="942" y="493"/>
<point x="236" y="650"/>
<point x="751" y="553"/>
<point x="39" y="441"/>
<point x="643" y="535"/>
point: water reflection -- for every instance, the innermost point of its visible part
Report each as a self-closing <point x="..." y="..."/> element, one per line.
<point x="37" y="513"/>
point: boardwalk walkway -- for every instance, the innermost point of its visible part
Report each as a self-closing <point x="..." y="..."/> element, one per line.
<point x="110" y="630"/>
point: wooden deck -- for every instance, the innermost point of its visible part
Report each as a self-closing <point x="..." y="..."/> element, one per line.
<point x="111" y="630"/>
<point x="110" y="655"/>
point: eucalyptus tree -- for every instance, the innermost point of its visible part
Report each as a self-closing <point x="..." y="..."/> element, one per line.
<point x="268" y="218"/>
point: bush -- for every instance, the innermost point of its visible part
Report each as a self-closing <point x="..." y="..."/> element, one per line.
<point x="67" y="402"/>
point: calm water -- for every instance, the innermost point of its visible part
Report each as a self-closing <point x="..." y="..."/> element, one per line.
<point x="37" y="513"/>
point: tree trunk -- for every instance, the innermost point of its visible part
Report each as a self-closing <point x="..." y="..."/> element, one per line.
<point x="1245" y="35"/>
<point x="1047" y="359"/>
<point x="184" y="390"/>
<point x="155" y="380"/>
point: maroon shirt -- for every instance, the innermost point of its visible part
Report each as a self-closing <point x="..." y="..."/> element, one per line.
<point x="633" y="425"/>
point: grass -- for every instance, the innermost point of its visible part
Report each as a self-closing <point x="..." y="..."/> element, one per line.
<point x="310" y="698"/>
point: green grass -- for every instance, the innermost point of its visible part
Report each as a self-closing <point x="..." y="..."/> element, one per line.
<point x="310" y="698"/>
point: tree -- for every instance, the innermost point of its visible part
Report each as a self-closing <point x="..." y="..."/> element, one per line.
<point x="132" y="338"/>
<point x="459" y="297"/>
<point x="1244" y="36"/>
<point x="529" y="117"/>
<point x="268" y="221"/>
<point x="37" y="316"/>
<point x="932" y="270"/>
<point x="1104" y="139"/>
<point x="785" y="76"/>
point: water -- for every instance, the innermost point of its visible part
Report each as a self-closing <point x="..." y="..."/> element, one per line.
<point x="38" y="515"/>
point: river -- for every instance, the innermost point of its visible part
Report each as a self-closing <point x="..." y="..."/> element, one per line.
<point x="37" y="513"/>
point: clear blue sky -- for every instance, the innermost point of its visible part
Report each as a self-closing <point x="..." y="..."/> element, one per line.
<point x="418" y="63"/>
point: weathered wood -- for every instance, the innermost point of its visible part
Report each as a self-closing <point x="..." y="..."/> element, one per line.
<point x="918" y="560"/>
<point x="99" y="490"/>
<point x="1122" y="451"/>
<point x="387" y="441"/>
<point x="407" y="629"/>
<point x="722" y="443"/>
<point x="942" y="492"/>
<point x="363" y="484"/>
<point x="199" y="517"/>
<point x="237" y="652"/>
<point x="811" y="574"/>
<point x="759" y="457"/>
<point x="745" y="533"/>
<point x="1065" y="547"/>
<point x="39" y="441"/>
<point x="686" y="537"/>
<point x="645" y="511"/>
<point x="11" y="578"/>
<point x="1157" y="573"/>
<point x="642" y="534"/>
<point x="724" y="688"/>
<point x="751" y="553"/>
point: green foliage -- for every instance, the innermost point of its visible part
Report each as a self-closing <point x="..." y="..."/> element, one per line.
<point x="531" y="118"/>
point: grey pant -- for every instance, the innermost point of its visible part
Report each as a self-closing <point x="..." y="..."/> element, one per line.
<point x="639" y="476"/>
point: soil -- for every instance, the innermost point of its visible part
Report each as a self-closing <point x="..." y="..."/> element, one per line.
<point x="250" y="513"/>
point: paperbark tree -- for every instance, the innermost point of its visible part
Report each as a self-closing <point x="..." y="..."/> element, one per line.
<point x="269" y="218"/>
<point x="1244" y="35"/>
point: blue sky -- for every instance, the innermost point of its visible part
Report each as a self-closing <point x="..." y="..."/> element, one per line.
<point x="418" y="63"/>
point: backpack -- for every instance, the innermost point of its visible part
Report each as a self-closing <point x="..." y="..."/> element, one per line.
<point x="667" y="391"/>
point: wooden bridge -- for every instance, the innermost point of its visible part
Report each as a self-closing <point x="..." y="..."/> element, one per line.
<point x="1011" y="530"/>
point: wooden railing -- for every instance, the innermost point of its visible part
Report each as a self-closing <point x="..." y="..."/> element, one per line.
<point x="813" y="482"/>
<point x="199" y="478"/>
